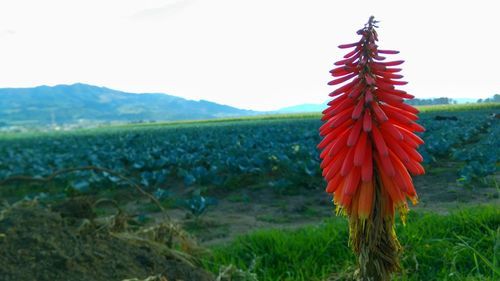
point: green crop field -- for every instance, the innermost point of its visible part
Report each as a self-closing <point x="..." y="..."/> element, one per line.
<point x="280" y="151"/>
<point x="264" y="172"/>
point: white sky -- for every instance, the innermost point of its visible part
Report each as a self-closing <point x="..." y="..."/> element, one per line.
<point x="253" y="54"/>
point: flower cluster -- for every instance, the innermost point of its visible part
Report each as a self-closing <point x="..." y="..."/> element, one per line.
<point x="368" y="144"/>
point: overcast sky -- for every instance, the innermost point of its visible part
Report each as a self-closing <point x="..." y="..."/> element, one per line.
<point x="252" y="54"/>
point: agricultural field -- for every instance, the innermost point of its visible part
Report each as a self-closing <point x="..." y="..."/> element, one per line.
<point x="223" y="179"/>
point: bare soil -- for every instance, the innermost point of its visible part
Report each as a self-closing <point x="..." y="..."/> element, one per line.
<point x="245" y="210"/>
<point x="37" y="243"/>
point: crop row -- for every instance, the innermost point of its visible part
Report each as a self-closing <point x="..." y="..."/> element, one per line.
<point x="278" y="153"/>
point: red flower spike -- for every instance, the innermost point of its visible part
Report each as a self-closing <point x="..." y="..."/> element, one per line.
<point x="370" y="149"/>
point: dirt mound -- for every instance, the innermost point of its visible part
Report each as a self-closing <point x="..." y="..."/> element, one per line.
<point x="39" y="244"/>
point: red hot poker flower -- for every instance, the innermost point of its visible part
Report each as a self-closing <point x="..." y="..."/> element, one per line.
<point x="369" y="149"/>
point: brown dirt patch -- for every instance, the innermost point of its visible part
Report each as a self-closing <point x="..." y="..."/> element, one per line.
<point x="39" y="244"/>
<point x="245" y="210"/>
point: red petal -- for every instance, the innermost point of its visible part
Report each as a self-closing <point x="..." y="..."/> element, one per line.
<point x="393" y="192"/>
<point x="412" y="152"/>
<point x="392" y="70"/>
<point x="383" y="85"/>
<point x="341" y="117"/>
<point x="396" y="148"/>
<point x="360" y="149"/>
<point x="368" y="97"/>
<point x="389" y="52"/>
<point x="409" y="135"/>
<point x="348" y="163"/>
<point x="342" y="79"/>
<point x="388" y="75"/>
<point x="326" y="128"/>
<point x="340" y="71"/>
<point x="367" y="121"/>
<point x="391" y="63"/>
<point x="417" y="127"/>
<point x="401" y="118"/>
<point x="369" y="80"/>
<point x="336" y="164"/>
<point x="390" y="129"/>
<point x="409" y="108"/>
<point x="354" y="135"/>
<point x="358" y="109"/>
<point x="367" y="167"/>
<point x="409" y="115"/>
<point x="390" y="99"/>
<point x="352" y="182"/>
<point x="346" y="46"/>
<point x="344" y="88"/>
<point x="342" y="106"/>
<point x="379" y="113"/>
<point x="348" y="61"/>
<point x="378" y="139"/>
<point x="334" y="184"/>
<point x="387" y="165"/>
<point x="353" y="52"/>
<point x="339" y="143"/>
<point x="393" y="82"/>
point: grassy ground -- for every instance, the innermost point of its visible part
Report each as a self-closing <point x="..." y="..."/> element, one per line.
<point x="464" y="245"/>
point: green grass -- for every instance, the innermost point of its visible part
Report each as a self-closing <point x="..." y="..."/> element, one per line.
<point x="464" y="245"/>
<point x="458" y="107"/>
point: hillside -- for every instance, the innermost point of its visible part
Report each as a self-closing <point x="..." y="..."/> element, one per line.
<point x="307" y="107"/>
<point x="82" y="103"/>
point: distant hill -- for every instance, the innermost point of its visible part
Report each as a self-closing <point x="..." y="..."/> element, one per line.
<point x="80" y="103"/>
<point x="308" y="107"/>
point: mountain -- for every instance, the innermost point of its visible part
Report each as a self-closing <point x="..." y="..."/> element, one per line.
<point x="80" y="103"/>
<point x="307" y="107"/>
